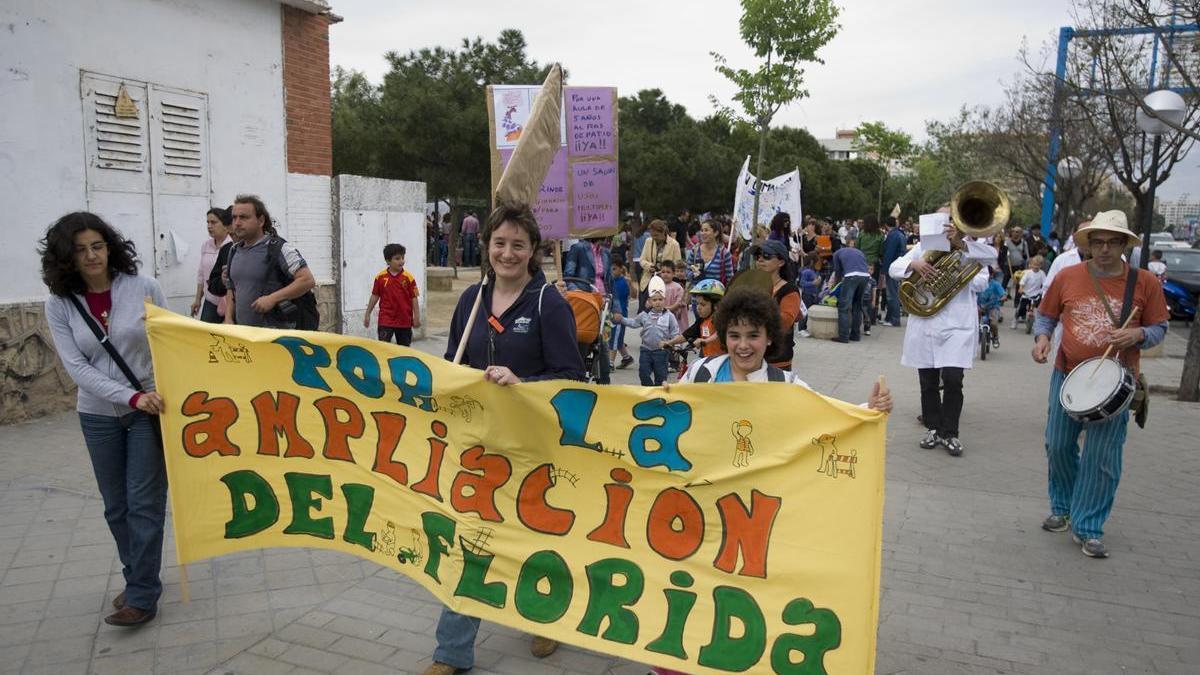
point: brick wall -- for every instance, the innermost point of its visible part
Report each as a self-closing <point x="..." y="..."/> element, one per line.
<point x="306" y="92"/>
<point x="309" y="222"/>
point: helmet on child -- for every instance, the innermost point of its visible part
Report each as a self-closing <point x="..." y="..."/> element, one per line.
<point x="710" y="288"/>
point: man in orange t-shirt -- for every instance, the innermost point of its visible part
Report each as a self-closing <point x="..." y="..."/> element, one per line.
<point x="1082" y="487"/>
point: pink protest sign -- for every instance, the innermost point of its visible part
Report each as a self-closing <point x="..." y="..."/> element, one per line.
<point x="552" y="210"/>
<point x="591" y="127"/>
<point x="594" y="195"/>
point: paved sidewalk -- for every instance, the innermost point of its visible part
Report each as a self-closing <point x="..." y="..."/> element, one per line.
<point x="970" y="582"/>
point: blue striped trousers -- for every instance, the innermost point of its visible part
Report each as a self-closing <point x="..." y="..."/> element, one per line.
<point x="1083" y="486"/>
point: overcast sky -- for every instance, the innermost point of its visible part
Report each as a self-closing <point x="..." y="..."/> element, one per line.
<point x="899" y="62"/>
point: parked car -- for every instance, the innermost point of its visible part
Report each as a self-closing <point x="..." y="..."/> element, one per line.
<point x="1165" y="240"/>
<point x="1183" y="266"/>
<point x="1179" y="301"/>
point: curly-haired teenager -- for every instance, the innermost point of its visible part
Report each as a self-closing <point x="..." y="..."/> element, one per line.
<point x="747" y="323"/>
<point x="91" y="269"/>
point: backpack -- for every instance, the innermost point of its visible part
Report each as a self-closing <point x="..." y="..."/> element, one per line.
<point x="703" y="375"/>
<point x="305" y="313"/>
<point x="308" y="317"/>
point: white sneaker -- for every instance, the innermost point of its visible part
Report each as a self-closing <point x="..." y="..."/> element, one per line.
<point x="805" y="334"/>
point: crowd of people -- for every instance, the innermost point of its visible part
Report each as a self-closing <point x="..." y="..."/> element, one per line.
<point x="679" y="274"/>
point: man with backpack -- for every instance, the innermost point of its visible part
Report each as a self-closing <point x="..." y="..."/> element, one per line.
<point x="270" y="284"/>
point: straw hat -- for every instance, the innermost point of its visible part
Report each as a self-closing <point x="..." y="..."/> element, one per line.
<point x="1107" y="221"/>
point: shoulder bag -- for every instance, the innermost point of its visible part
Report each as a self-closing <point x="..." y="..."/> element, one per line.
<point x="106" y="343"/>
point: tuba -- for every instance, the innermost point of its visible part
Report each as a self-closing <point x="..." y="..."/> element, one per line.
<point x="977" y="209"/>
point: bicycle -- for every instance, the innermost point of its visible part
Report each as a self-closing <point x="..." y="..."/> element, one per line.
<point x="1026" y="311"/>
<point x="987" y="339"/>
<point x="681" y="352"/>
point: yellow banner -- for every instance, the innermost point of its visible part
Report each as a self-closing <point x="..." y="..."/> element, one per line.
<point x="709" y="529"/>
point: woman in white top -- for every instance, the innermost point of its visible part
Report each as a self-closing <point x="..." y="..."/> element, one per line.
<point x="96" y="313"/>
<point x="211" y="307"/>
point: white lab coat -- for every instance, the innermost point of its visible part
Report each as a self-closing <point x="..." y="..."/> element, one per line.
<point x="948" y="338"/>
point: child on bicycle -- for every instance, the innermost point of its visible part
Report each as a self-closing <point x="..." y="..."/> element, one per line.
<point x="989" y="305"/>
<point x="1030" y="285"/>
<point x="702" y="334"/>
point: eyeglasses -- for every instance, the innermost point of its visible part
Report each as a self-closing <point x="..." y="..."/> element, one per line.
<point x="95" y="247"/>
<point x="1103" y="243"/>
<point x="766" y="256"/>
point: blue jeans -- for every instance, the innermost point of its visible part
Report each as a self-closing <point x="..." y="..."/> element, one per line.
<point x="1083" y="485"/>
<point x="456" y="639"/>
<point x="127" y="458"/>
<point x="209" y="314"/>
<point x="893" y="299"/>
<point x="850" y="306"/>
<point x="470" y="249"/>
<point x="617" y="339"/>
<point x="652" y="367"/>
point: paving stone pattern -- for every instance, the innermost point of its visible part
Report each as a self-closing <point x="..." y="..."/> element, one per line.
<point x="971" y="584"/>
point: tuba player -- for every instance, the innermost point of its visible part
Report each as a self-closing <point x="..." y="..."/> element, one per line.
<point x="942" y="346"/>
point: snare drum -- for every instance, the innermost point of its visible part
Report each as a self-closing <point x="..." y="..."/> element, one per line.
<point x="1097" y="390"/>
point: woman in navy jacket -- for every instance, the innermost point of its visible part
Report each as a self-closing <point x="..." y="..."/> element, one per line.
<point x="525" y="332"/>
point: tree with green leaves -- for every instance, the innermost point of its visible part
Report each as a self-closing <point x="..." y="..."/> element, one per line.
<point x="427" y="121"/>
<point x="785" y="35"/>
<point x="883" y="146"/>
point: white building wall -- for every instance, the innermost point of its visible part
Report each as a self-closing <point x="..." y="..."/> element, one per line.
<point x="309" y="213"/>
<point x="373" y="212"/>
<point x="229" y="50"/>
<point x="1178" y="212"/>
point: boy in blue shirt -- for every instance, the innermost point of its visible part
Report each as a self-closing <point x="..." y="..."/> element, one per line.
<point x="620" y="300"/>
<point x="989" y="306"/>
<point x="809" y="283"/>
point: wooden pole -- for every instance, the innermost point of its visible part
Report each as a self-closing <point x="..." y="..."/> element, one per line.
<point x="462" y="341"/>
<point x="184" y="592"/>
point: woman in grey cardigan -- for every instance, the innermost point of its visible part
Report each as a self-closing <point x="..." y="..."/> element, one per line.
<point x="92" y="270"/>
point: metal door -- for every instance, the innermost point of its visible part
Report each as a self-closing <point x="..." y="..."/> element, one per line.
<point x="117" y="153"/>
<point x="180" y="188"/>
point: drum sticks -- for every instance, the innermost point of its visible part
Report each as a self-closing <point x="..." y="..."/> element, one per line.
<point x="1108" y="351"/>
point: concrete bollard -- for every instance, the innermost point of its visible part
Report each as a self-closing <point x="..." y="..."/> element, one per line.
<point x="823" y="322"/>
<point x="439" y="278"/>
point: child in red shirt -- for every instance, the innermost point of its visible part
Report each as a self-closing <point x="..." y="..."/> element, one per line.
<point x="396" y="292"/>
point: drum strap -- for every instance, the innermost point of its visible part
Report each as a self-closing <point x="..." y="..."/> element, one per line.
<point x="1127" y="301"/>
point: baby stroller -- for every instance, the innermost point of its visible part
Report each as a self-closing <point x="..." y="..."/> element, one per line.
<point x="593" y="323"/>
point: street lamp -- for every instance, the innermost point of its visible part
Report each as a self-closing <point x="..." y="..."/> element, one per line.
<point x="1069" y="168"/>
<point x="1168" y="106"/>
